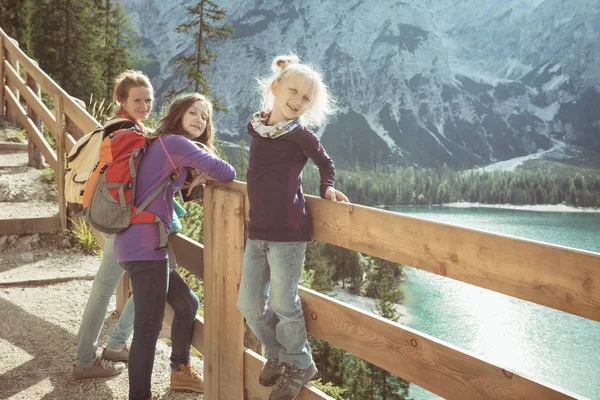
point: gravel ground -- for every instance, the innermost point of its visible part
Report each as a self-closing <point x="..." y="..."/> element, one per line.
<point x="38" y="342"/>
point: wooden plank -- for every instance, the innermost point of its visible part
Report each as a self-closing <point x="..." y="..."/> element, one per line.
<point x="211" y="297"/>
<point x="13" y="146"/>
<point x="29" y="226"/>
<point x="48" y="118"/>
<point x="432" y="364"/>
<point x="80" y="117"/>
<point x="73" y="129"/>
<point x="255" y="391"/>
<point x="46" y="83"/>
<point x="554" y="276"/>
<point x="32" y="95"/>
<point x="32" y="130"/>
<point x="33" y="100"/>
<point x="224" y="330"/>
<point x="198" y="337"/>
<point x="190" y="254"/>
<point x="60" y="154"/>
<point x="231" y="229"/>
<point x="236" y="186"/>
<point x="14" y="63"/>
<point x="2" y="105"/>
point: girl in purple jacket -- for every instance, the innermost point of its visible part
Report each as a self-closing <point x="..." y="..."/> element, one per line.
<point x="294" y="97"/>
<point x="138" y="248"/>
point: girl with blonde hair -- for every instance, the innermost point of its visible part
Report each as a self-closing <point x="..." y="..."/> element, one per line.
<point x="294" y="98"/>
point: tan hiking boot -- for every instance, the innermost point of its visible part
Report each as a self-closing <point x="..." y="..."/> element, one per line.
<point x="187" y="377"/>
<point x="100" y="369"/>
<point x="116" y="356"/>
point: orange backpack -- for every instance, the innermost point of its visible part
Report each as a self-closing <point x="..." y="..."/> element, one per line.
<point x="109" y="195"/>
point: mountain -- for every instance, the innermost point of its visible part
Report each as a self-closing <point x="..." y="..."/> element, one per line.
<point x="419" y="82"/>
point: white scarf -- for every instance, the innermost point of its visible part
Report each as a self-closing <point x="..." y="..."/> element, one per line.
<point x="259" y="123"/>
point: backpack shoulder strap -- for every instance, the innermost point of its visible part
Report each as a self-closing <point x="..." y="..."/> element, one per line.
<point x="163" y="186"/>
<point x="179" y="170"/>
<point x="117" y="124"/>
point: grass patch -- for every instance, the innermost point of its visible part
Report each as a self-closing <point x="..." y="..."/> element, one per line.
<point x="85" y="238"/>
<point x="20" y="136"/>
<point x="48" y="176"/>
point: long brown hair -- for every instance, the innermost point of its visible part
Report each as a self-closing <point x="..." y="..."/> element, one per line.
<point x="172" y="122"/>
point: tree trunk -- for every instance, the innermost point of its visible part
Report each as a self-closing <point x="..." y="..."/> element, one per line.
<point x="199" y="46"/>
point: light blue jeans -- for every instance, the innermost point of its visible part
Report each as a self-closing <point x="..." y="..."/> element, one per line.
<point x="272" y="271"/>
<point x="105" y="283"/>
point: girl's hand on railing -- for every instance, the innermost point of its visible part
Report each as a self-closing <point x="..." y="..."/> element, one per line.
<point x="200" y="178"/>
<point x="335" y="195"/>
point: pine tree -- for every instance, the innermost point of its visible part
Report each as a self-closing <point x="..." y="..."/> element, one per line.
<point x="16" y="21"/>
<point x="204" y="15"/>
<point x="387" y="386"/>
<point x="359" y="381"/>
<point x="317" y="261"/>
<point x="242" y="167"/>
<point x="66" y="41"/>
<point x="120" y="43"/>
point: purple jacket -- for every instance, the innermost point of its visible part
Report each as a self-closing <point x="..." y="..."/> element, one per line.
<point x="139" y="241"/>
<point x="278" y="210"/>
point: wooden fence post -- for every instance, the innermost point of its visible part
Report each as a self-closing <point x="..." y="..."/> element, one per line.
<point x="70" y="125"/>
<point x="60" y="158"/>
<point x="36" y="159"/>
<point x="223" y="323"/>
<point x="2" y="104"/>
<point x="123" y="292"/>
<point x="13" y="86"/>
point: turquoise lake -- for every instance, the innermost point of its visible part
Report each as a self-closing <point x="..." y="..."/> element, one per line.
<point x="541" y="343"/>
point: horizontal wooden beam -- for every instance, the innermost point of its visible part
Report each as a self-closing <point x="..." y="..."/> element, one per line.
<point x="190" y="254"/>
<point x="31" y="98"/>
<point x="554" y="276"/>
<point x="46" y="83"/>
<point x="12" y="146"/>
<point x="29" y="226"/>
<point x="32" y="130"/>
<point x="430" y="363"/>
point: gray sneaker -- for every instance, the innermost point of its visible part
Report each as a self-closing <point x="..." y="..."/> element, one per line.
<point x="100" y="369"/>
<point x="112" y="355"/>
<point x="270" y="372"/>
<point x="292" y="380"/>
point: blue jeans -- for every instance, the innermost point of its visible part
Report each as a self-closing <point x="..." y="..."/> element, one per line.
<point x="272" y="271"/>
<point x="105" y="283"/>
<point x="153" y="284"/>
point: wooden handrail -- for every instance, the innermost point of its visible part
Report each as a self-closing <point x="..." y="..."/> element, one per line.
<point x="32" y="130"/>
<point x="554" y="276"/>
<point x="32" y="100"/>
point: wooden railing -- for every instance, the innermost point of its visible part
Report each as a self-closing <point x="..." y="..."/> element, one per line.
<point x="553" y="276"/>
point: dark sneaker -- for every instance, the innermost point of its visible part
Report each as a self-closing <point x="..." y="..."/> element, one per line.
<point x="100" y="369"/>
<point x="270" y="372"/>
<point x="187" y="377"/>
<point x="292" y="380"/>
<point x="116" y="356"/>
